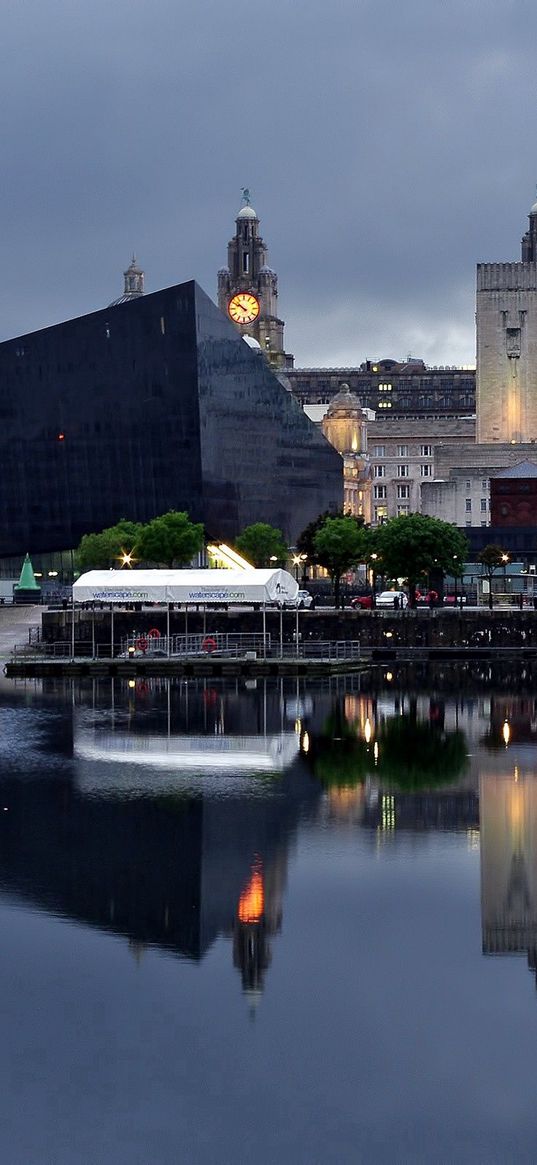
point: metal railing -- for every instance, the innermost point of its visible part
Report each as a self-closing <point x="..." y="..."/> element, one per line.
<point x="231" y="644"/>
<point x="227" y="646"/>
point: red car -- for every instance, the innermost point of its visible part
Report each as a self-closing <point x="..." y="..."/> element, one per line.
<point x="362" y="602"/>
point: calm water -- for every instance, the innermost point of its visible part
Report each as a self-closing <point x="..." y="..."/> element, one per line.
<point x="270" y="923"/>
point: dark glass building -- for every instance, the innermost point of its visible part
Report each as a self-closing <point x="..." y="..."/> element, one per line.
<point x="146" y="406"/>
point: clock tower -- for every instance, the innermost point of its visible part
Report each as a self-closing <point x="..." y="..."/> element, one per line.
<point x="248" y="288"/>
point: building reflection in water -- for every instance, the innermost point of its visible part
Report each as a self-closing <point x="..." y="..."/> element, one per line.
<point x="172" y="817"/>
<point x="173" y="822"/>
<point x="508" y="810"/>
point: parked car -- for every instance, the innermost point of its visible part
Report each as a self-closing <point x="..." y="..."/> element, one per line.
<point x="303" y="599"/>
<point x="362" y="602"/>
<point x="451" y="600"/>
<point x="395" y="599"/>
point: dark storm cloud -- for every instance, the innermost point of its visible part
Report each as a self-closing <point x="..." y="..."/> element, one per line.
<point x="388" y="148"/>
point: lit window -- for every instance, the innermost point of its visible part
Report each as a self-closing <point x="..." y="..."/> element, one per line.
<point x="402" y="510"/>
<point x="381" y="513"/>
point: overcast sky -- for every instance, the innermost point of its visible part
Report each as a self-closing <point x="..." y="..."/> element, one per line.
<point x="388" y="147"/>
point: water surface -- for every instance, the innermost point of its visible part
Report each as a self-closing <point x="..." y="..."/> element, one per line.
<point x="268" y="921"/>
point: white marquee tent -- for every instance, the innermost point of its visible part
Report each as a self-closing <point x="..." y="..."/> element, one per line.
<point x="188" y="587"/>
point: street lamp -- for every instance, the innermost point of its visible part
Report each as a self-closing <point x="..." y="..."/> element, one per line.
<point x="374" y="560"/>
<point x="297" y="559"/>
<point x="505" y="560"/>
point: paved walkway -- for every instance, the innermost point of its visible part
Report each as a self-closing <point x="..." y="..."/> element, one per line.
<point x="14" y="625"/>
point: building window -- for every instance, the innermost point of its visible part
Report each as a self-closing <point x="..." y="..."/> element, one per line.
<point x="403" y="491"/>
<point x="468" y="506"/>
<point x="468" y="485"/>
<point x="379" y="492"/>
<point x="381" y="513"/>
<point x="426" y="470"/>
<point x="379" y="471"/>
<point x="245" y="263"/>
<point x="402" y="510"/>
<point x="426" y="450"/>
<point x="484" y="485"/>
<point x="402" y="450"/>
<point x="379" y="451"/>
<point x="402" y="471"/>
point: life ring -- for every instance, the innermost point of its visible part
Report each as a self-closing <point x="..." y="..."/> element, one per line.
<point x="154" y="633"/>
<point x="141" y="643"/>
<point x="209" y="644"/>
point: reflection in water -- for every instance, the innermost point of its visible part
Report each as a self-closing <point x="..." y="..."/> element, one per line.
<point x="174" y="823"/>
<point x="508" y="806"/>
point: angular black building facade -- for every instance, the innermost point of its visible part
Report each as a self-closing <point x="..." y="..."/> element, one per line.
<point x="147" y="406"/>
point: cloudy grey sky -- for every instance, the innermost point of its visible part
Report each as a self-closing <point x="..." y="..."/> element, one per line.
<point x="388" y="147"/>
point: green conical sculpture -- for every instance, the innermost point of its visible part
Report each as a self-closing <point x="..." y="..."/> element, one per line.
<point x="27" y="590"/>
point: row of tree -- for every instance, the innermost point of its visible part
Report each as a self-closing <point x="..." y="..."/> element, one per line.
<point x="411" y="547"/>
<point x="169" y="540"/>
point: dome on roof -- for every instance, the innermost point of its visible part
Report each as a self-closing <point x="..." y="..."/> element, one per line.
<point x="344" y="401"/>
<point x="264" y="270"/>
<point x="247" y="212"/>
<point x="534" y="208"/>
<point x="224" y="271"/>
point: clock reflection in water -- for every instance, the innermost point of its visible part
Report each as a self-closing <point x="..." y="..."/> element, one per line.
<point x="243" y="308"/>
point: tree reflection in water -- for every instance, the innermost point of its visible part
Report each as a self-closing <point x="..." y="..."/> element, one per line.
<point x="407" y="752"/>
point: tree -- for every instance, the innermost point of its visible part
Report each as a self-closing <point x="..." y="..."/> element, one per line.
<point x="339" y="544"/>
<point x="305" y="541"/>
<point x="260" y="543"/>
<point x="172" y="539"/>
<point x="106" y="549"/>
<point x="491" y="557"/>
<point x="414" y="754"/>
<point x="414" y="545"/>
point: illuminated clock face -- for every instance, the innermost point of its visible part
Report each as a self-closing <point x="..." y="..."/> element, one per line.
<point x="243" y="308"/>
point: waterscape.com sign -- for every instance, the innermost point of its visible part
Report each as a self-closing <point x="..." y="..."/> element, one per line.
<point x="121" y="596"/>
<point x="217" y="596"/>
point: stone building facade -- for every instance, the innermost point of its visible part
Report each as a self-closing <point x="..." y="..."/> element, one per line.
<point x="506" y="319"/>
<point x="345" y="426"/>
<point x="461" y="490"/>
<point x="247" y="272"/>
<point x="392" y="388"/>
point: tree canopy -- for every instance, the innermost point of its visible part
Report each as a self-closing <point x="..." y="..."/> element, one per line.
<point x="168" y="539"/>
<point x="260" y="542"/>
<point x="414" y="545"/>
<point x="339" y="544"/>
<point x="106" y="549"/>
<point x="172" y="539"/>
<point x="305" y="542"/>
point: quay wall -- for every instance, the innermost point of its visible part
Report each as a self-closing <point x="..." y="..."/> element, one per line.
<point x="420" y="628"/>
